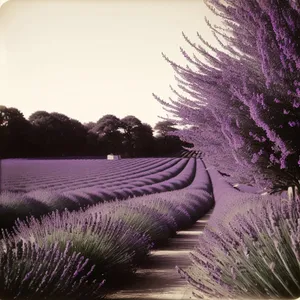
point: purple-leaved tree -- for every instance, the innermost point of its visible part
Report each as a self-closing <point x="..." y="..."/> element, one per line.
<point x="242" y="99"/>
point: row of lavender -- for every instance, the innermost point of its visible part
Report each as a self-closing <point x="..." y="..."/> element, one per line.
<point x="250" y="247"/>
<point x="23" y="175"/>
<point x="189" y="153"/>
<point x="163" y="175"/>
<point x="69" y="255"/>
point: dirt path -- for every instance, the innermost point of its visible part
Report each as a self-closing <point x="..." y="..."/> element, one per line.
<point x="158" y="279"/>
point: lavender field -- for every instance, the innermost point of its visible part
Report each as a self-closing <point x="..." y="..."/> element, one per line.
<point x="88" y="175"/>
<point x="219" y="181"/>
<point x="98" y="218"/>
<point x="39" y="186"/>
<point x="73" y="229"/>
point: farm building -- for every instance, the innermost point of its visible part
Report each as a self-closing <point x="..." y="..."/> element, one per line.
<point x="113" y="157"/>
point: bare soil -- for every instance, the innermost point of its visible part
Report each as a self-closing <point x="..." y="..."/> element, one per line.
<point x="157" y="278"/>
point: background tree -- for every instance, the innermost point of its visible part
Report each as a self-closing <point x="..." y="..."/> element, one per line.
<point x="56" y="135"/>
<point x="44" y="132"/>
<point x="63" y="133"/>
<point x="107" y="124"/>
<point x="130" y="125"/>
<point x="34" y="117"/>
<point x="50" y="133"/>
<point x="72" y="135"/>
<point x="89" y="125"/>
<point x="167" y="142"/>
<point x="165" y="127"/>
<point x="15" y="133"/>
<point x="246" y="95"/>
<point x="77" y="137"/>
<point x="93" y="145"/>
<point x="109" y="135"/>
<point x="142" y="141"/>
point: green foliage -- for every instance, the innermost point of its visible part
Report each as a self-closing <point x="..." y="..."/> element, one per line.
<point x="142" y="218"/>
<point x="256" y="256"/>
<point x="165" y="127"/>
<point x="30" y="272"/>
<point x="108" y="243"/>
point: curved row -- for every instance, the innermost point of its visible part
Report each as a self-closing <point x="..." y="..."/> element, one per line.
<point x="229" y="200"/>
<point x="115" y="236"/>
<point x="28" y="271"/>
<point x="249" y="248"/>
<point x="174" y="178"/>
<point x="153" y="175"/>
<point x="39" y="202"/>
<point x="137" y="172"/>
<point x="22" y="175"/>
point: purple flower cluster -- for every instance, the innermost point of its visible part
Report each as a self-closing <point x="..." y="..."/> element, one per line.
<point x="137" y="177"/>
<point x="108" y="242"/>
<point x="248" y="84"/>
<point x="250" y="246"/>
<point x="60" y="176"/>
<point x="116" y="236"/>
<point x="28" y="271"/>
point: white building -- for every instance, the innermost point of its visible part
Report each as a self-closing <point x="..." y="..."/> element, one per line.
<point x="113" y="157"/>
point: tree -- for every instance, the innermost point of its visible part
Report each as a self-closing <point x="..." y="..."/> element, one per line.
<point x="89" y="125"/>
<point x="130" y="125"/>
<point x="167" y="141"/>
<point x="15" y="133"/>
<point x="77" y="133"/>
<point x="93" y="144"/>
<point x="40" y="114"/>
<point x="107" y="124"/>
<point x="165" y="127"/>
<point x="142" y="140"/>
<point x="109" y="136"/>
<point x="44" y="133"/>
<point x="49" y="134"/>
<point x="243" y="100"/>
<point x="58" y="135"/>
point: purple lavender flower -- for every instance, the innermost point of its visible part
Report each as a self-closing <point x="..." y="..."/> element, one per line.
<point x="248" y="92"/>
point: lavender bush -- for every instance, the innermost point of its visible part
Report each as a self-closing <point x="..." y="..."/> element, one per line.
<point x="159" y="204"/>
<point x="17" y="205"/>
<point x="52" y="199"/>
<point x="256" y="256"/>
<point x="228" y="200"/>
<point x="28" y="271"/>
<point x="249" y="248"/>
<point x="59" y="192"/>
<point x="137" y="216"/>
<point x="241" y="100"/>
<point x="109" y="244"/>
<point x="116" y="236"/>
<point x="192" y="205"/>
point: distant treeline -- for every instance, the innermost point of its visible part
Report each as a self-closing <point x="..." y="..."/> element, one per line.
<point x="53" y="134"/>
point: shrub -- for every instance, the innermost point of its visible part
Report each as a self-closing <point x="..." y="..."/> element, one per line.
<point x="143" y="219"/>
<point x="53" y="200"/>
<point x="28" y="271"/>
<point x="161" y="207"/>
<point x="193" y="203"/>
<point x="257" y="255"/>
<point x="240" y="99"/>
<point x="18" y="205"/>
<point x="108" y="243"/>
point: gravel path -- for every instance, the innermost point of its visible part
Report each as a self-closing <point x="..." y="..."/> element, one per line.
<point x="158" y="279"/>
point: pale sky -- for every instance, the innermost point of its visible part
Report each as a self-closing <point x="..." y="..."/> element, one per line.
<point x="88" y="58"/>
